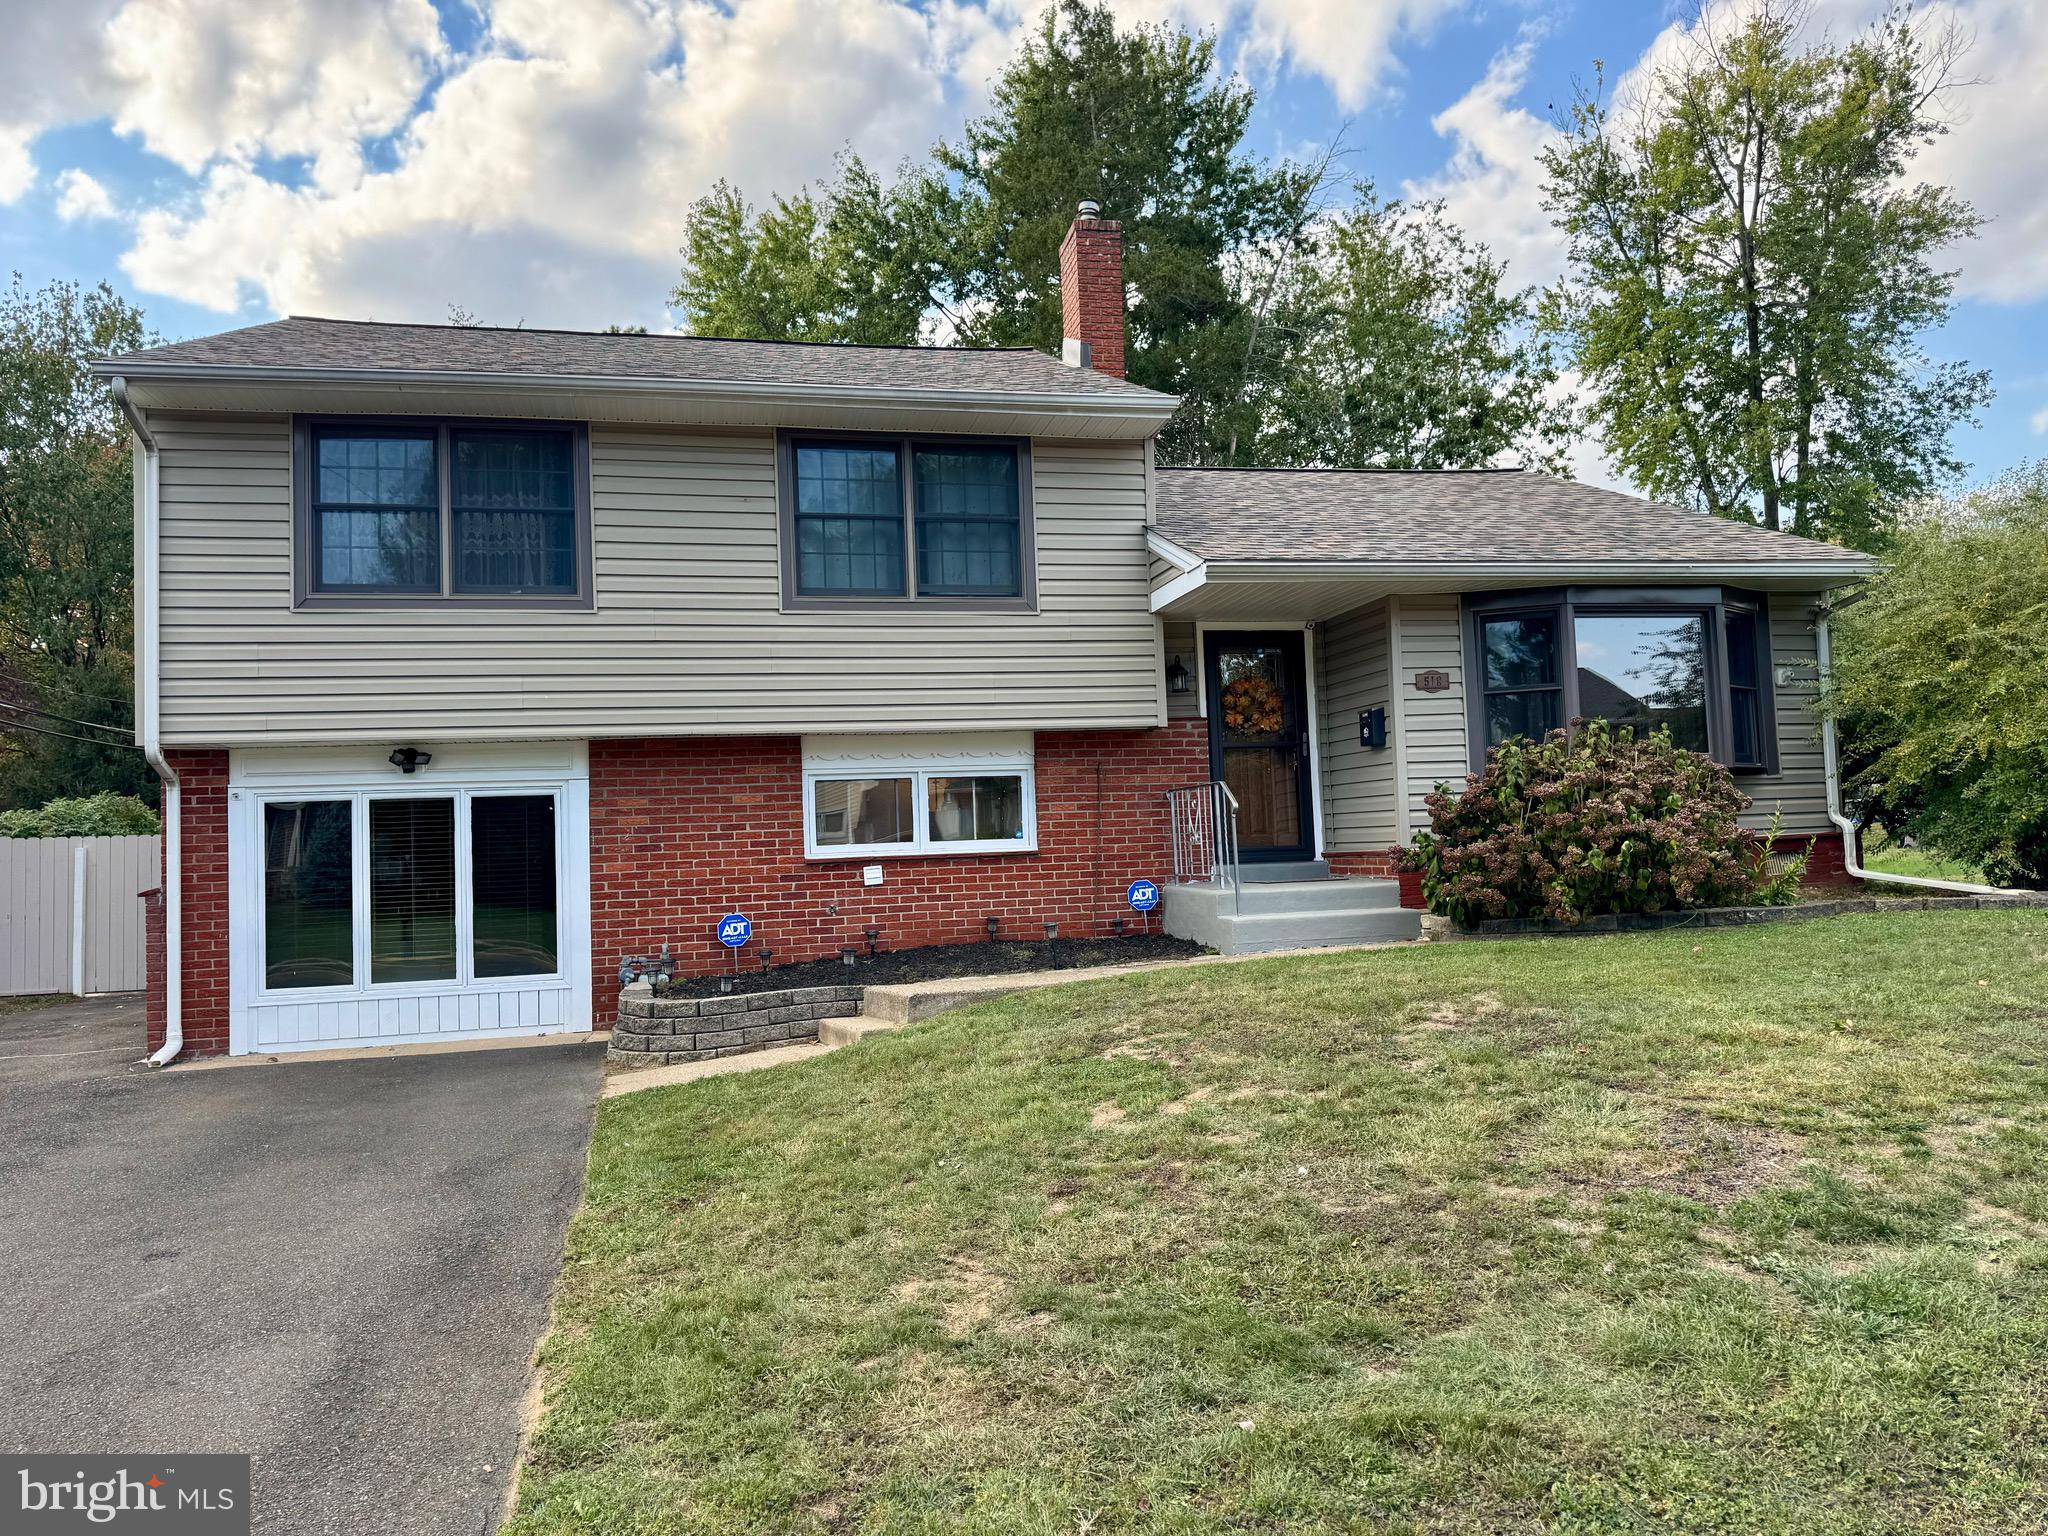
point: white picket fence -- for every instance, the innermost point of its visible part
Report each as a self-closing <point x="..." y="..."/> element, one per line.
<point x="70" y="917"/>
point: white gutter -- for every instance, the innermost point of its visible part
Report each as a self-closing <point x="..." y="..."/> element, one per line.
<point x="148" y="722"/>
<point x="1850" y="862"/>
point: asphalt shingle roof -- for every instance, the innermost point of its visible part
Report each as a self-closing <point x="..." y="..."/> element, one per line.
<point x="306" y="342"/>
<point x="1450" y="515"/>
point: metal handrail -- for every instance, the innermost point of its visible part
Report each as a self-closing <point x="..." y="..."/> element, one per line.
<point x="1204" y="829"/>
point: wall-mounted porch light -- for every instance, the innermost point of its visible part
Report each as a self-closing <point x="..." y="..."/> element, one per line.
<point x="1177" y="678"/>
<point x="406" y="759"/>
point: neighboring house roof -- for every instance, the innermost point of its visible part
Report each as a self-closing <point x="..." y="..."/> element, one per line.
<point x="304" y="344"/>
<point x="1455" y="517"/>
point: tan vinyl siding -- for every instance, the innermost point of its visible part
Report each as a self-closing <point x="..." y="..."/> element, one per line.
<point x="1428" y="635"/>
<point x="687" y="636"/>
<point x="1800" y="784"/>
<point x="1359" y="785"/>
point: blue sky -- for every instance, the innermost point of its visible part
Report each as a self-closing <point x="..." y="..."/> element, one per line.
<point x="531" y="160"/>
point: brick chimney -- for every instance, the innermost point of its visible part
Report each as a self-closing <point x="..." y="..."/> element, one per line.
<point x="1092" y="292"/>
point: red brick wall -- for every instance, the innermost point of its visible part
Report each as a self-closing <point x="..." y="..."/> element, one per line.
<point x="1092" y="290"/>
<point x="1380" y="866"/>
<point x="1825" y="867"/>
<point x="203" y="823"/>
<point x="683" y="831"/>
<point x="153" y="994"/>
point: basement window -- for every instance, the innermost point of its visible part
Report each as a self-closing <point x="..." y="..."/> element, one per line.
<point x="918" y="797"/>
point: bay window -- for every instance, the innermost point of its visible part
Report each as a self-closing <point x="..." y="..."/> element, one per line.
<point x="1692" y="661"/>
<point x="404" y="511"/>
<point x="935" y="522"/>
<point x="374" y="889"/>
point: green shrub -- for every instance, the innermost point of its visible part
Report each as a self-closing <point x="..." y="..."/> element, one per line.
<point x="1941" y="683"/>
<point x="103" y="815"/>
<point x="1592" y="822"/>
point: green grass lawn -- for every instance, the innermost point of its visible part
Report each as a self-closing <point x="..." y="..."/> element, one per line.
<point x="1881" y="855"/>
<point x="1735" y="1230"/>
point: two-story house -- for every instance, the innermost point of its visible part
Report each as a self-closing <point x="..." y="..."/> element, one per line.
<point x="475" y="661"/>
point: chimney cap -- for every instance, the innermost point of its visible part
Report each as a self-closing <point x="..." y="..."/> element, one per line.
<point x="1089" y="208"/>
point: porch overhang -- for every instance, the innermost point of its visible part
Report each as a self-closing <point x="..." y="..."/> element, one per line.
<point x="1306" y="590"/>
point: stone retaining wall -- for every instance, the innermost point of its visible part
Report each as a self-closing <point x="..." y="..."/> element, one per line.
<point x="654" y="1031"/>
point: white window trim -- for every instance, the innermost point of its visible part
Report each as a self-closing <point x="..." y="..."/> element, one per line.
<point x="359" y="892"/>
<point x="919" y="759"/>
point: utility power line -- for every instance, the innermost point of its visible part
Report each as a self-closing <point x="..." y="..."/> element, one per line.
<point x="40" y="730"/>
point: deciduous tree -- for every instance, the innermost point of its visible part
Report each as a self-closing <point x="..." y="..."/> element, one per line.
<point x="66" y="547"/>
<point x="1753" y="267"/>
<point x="1941" y="681"/>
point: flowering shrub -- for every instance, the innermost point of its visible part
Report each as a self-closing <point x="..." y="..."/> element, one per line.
<point x="1593" y="822"/>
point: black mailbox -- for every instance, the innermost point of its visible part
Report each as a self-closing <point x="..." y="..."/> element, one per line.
<point x="1372" y="728"/>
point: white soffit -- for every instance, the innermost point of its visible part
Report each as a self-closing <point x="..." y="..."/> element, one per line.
<point x="1276" y="591"/>
<point x="1099" y="417"/>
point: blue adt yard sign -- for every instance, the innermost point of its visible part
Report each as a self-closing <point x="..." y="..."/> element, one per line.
<point x="1143" y="895"/>
<point x="734" y="929"/>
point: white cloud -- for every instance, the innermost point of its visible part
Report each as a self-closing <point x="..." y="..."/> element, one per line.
<point x="51" y="71"/>
<point x="79" y="196"/>
<point x="1991" y="156"/>
<point x="1492" y="185"/>
<point x="344" y="159"/>
<point x="198" y="82"/>
<point x="1349" y="43"/>
<point x="548" y="179"/>
<point x="2038" y="422"/>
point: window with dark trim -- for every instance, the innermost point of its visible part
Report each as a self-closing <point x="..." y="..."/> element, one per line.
<point x="410" y="511"/>
<point x="1694" y="661"/>
<point x="880" y="520"/>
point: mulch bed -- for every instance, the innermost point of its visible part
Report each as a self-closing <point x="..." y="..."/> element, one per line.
<point x="935" y="962"/>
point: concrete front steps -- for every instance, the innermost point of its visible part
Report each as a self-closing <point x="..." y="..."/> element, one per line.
<point x="1316" y="912"/>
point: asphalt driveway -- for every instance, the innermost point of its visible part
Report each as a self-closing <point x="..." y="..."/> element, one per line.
<point x="340" y="1268"/>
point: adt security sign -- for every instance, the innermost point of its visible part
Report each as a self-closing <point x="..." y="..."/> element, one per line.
<point x="1143" y="895"/>
<point x="734" y="929"/>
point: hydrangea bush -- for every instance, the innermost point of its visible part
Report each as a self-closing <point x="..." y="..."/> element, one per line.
<point x="1593" y="821"/>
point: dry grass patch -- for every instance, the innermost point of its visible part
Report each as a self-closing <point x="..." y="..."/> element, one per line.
<point x="1602" y="1237"/>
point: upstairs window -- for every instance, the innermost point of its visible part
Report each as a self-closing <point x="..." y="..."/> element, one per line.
<point x="1692" y="661"/>
<point x="849" y="520"/>
<point x="467" y="511"/>
<point x="872" y="520"/>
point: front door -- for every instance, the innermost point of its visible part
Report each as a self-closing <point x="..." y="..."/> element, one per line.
<point x="1258" y="739"/>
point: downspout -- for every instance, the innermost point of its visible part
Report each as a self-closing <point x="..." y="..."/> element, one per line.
<point x="1850" y="861"/>
<point x="148" y="723"/>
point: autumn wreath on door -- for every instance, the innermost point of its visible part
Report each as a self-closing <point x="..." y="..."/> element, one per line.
<point x="1252" y="706"/>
